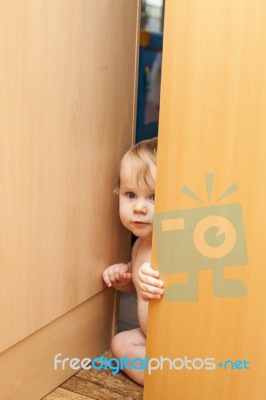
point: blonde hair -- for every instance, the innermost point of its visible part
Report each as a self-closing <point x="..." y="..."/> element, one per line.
<point x="142" y="153"/>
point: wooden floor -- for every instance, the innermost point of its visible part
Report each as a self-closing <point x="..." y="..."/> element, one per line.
<point x="102" y="385"/>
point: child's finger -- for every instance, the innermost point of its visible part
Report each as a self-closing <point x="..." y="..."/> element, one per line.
<point x="153" y="281"/>
<point x="119" y="271"/>
<point x="113" y="275"/>
<point x="150" y="289"/>
<point x="127" y="276"/>
<point x="106" y="279"/>
<point x="151" y="296"/>
<point x="116" y="273"/>
<point x="150" y="281"/>
<point x="146" y="269"/>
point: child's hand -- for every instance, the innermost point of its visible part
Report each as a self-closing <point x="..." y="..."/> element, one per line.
<point x="150" y="287"/>
<point x="117" y="275"/>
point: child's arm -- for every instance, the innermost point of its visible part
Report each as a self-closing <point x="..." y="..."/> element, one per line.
<point x="119" y="276"/>
<point x="149" y="286"/>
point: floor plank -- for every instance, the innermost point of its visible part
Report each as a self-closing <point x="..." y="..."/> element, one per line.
<point x="65" y="394"/>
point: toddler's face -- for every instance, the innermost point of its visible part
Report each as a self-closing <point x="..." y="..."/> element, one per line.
<point x="136" y="200"/>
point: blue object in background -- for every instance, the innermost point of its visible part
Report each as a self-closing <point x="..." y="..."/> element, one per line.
<point x="150" y="55"/>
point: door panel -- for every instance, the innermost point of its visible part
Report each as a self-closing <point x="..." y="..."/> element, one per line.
<point x="209" y="230"/>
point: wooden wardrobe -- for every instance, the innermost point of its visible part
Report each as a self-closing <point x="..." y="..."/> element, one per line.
<point x="68" y="73"/>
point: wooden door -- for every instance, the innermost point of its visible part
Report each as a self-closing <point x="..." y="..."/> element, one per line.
<point x="67" y="114"/>
<point x="210" y="221"/>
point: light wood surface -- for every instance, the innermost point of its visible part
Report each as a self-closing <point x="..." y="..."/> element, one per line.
<point x="66" y="394"/>
<point x="212" y="121"/>
<point x="27" y="369"/>
<point x="67" y="113"/>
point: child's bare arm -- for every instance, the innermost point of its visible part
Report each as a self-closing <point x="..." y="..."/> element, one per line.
<point x="119" y="276"/>
<point x="149" y="286"/>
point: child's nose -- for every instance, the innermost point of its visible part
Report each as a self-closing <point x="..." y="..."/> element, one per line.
<point x="140" y="206"/>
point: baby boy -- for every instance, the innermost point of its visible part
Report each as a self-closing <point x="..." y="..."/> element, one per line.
<point x="136" y="208"/>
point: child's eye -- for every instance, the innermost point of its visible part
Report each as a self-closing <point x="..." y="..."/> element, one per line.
<point x="131" y="195"/>
<point x="152" y="197"/>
